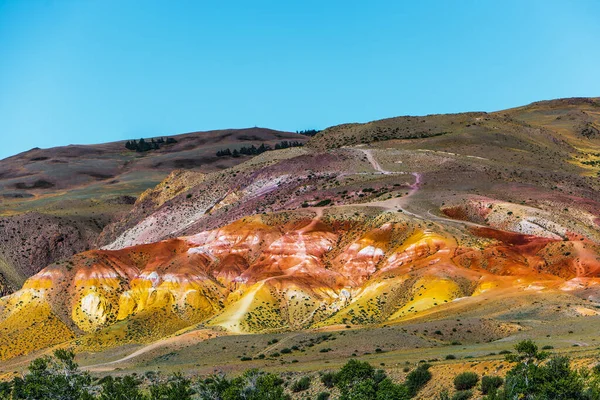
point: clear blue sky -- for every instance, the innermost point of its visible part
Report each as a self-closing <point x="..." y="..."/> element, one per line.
<point x="102" y="70"/>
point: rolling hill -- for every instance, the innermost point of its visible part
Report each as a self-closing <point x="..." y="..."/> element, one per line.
<point x="473" y="228"/>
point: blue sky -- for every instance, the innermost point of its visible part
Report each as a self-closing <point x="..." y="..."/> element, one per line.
<point x="102" y="70"/>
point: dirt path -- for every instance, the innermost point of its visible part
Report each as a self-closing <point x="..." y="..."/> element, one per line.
<point x="454" y="221"/>
<point x="374" y="162"/>
<point x="182" y="339"/>
<point x="400" y="203"/>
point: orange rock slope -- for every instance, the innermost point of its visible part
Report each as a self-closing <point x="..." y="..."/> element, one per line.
<point x="283" y="271"/>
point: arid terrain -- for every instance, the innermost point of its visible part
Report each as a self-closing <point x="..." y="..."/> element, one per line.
<point x="56" y="202"/>
<point x="394" y="241"/>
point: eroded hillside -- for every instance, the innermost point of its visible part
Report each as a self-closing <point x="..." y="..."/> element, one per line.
<point x="405" y="220"/>
<point x="56" y="202"/>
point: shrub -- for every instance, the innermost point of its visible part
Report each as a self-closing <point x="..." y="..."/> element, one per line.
<point x="286" y="351"/>
<point x="466" y="380"/>
<point x="53" y="377"/>
<point x="178" y="388"/>
<point x="323" y="396"/>
<point x="418" y="378"/>
<point x="552" y="380"/>
<point x="443" y="395"/>
<point x="252" y="385"/>
<point x="359" y="380"/>
<point x="323" y="203"/>
<point x="301" y="384"/>
<point x="462" y="395"/>
<point x="450" y="357"/>
<point x="328" y="379"/>
<point x="387" y="390"/>
<point x="353" y="372"/>
<point x="125" y="388"/>
<point x="490" y="383"/>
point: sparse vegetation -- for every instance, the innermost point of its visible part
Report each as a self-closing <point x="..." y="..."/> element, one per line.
<point x="535" y="375"/>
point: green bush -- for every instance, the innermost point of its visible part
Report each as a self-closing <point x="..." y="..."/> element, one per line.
<point x="328" y="379"/>
<point x="418" y="378"/>
<point x="387" y="390"/>
<point x="177" y="388"/>
<point x="360" y="381"/>
<point x="323" y="396"/>
<point x="125" y="388"/>
<point x="253" y="385"/>
<point x="353" y="373"/>
<point x="489" y="384"/>
<point x="301" y="384"/>
<point x="554" y="379"/>
<point x="56" y="377"/>
<point x="323" y="203"/>
<point x="466" y="380"/>
<point x="462" y="395"/>
<point x="443" y="395"/>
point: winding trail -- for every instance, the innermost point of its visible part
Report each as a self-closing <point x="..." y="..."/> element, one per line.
<point x="182" y="339"/>
<point x="454" y="221"/>
<point x="375" y="163"/>
<point x="401" y="202"/>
